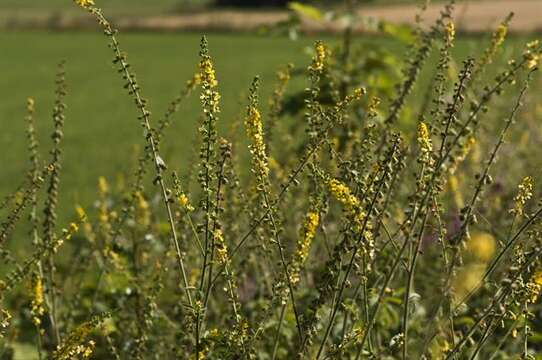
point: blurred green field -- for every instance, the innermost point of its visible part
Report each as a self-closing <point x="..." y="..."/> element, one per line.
<point x="101" y="124"/>
<point x="145" y="6"/>
<point x="110" y="4"/>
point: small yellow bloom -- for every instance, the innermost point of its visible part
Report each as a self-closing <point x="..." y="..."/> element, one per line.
<point x="318" y="61"/>
<point x="5" y="320"/>
<point x="532" y="54"/>
<point x="500" y="34"/>
<point x="534" y="287"/>
<point x="196" y="80"/>
<point x="81" y="213"/>
<point x="207" y="72"/>
<point x="342" y="193"/>
<point x="84" y="3"/>
<point x="30" y="105"/>
<point x="308" y="231"/>
<point x="183" y="200"/>
<point x="214" y="333"/>
<point x="423" y="137"/>
<point x="450" y="32"/>
<point x="73" y="227"/>
<point x="221" y="247"/>
<point x="351" y="204"/>
<point x="74" y="343"/>
<point x="533" y="60"/>
<point x="254" y="127"/>
<point x="525" y="192"/>
<point x="372" y="109"/>
<point x="37" y="307"/>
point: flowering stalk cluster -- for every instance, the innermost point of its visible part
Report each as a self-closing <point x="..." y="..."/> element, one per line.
<point x="306" y="236"/>
<point x="254" y="128"/>
<point x="424" y="142"/>
<point x="525" y="192"/>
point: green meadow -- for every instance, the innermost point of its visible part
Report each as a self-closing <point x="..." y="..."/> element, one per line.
<point x="101" y="122"/>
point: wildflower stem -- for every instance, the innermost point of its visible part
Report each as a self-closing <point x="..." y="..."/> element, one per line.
<point x="120" y="58"/>
<point x="277" y="335"/>
<point x="357" y="247"/>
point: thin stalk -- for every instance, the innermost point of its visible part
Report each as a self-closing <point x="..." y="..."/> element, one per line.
<point x="277" y="336"/>
<point x="134" y="90"/>
<point x="351" y="264"/>
<point x="410" y="284"/>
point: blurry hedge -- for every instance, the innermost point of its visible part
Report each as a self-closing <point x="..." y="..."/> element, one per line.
<point x="283" y="3"/>
<point x="252" y="3"/>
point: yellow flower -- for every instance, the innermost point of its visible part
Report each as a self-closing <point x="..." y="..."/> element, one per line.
<point x="84" y="3"/>
<point x="423" y="137"/>
<point x="207" y="72"/>
<point x="74" y="343"/>
<point x="5" y="320"/>
<point x="500" y="34"/>
<point x="372" y="109"/>
<point x="424" y="141"/>
<point x="318" y="61"/>
<point x="254" y="127"/>
<point x="221" y="248"/>
<point x="207" y="76"/>
<point x="81" y="213"/>
<point x="525" y="192"/>
<point x="342" y="193"/>
<point x="143" y="214"/>
<point x="537" y="277"/>
<point x="89" y="349"/>
<point x="482" y="246"/>
<point x="30" y="105"/>
<point x="214" y="333"/>
<point x="352" y="206"/>
<point x="308" y="231"/>
<point x="450" y="32"/>
<point x="208" y="80"/>
<point x="533" y="60"/>
<point x="196" y="80"/>
<point x="73" y="227"/>
<point x="534" y="287"/>
<point x="497" y="38"/>
<point x="283" y="76"/>
<point x="184" y="202"/>
<point x="37" y="308"/>
<point x="532" y="54"/>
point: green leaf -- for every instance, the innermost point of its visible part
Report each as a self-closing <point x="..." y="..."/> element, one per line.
<point x="403" y="33"/>
<point x="306" y="11"/>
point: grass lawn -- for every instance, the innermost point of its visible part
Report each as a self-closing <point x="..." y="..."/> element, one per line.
<point x="101" y="122"/>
